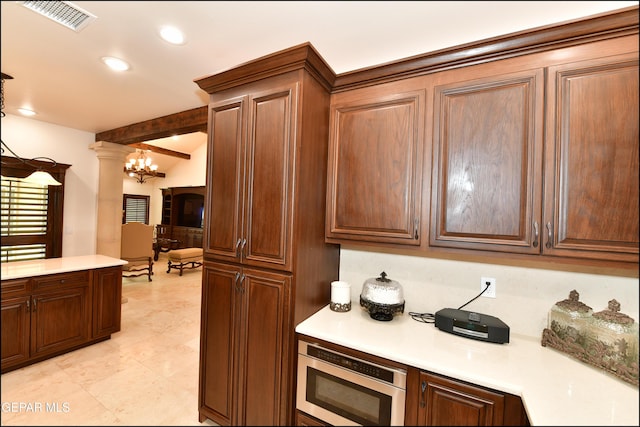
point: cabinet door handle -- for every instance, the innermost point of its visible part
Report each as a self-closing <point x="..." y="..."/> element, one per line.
<point x="235" y="281"/>
<point x="35" y="307"/>
<point x="423" y="388"/>
<point x="241" y="288"/>
<point x="536" y="233"/>
<point x="238" y="245"/>
<point x="28" y="305"/>
<point x="549" y="235"/>
<point x="415" y="228"/>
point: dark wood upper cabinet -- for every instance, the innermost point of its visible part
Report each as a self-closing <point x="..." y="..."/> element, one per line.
<point x="251" y="179"/>
<point x="487" y="150"/>
<point x="531" y="151"/>
<point x="591" y="197"/>
<point x="375" y="165"/>
<point x="533" y="165"/>
<point x="225" y="178"/>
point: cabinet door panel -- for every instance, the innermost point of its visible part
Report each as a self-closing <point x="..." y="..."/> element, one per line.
<point x="15" y="330"/>
<point x="60" y="320"/>
<point x="375" y="169"/>
<point x="269" y="177"/>
<point x="225" y="164"/>
<point x="107" y="301"/>
<point x="487" y="170"/>
<point x="593" y="143"/>
<point x="218" y="332"/>
<point x="453" y="403"/>
<point x="265" y="346"/>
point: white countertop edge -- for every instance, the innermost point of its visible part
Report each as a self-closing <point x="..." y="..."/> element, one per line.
<point x="555" y="388"/>
<point x="40" y="267"/>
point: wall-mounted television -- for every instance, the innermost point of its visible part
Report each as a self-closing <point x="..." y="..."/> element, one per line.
<point x="189" y="209"/>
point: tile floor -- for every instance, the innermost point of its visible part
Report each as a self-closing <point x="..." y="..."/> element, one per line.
<point x="146" y="374"/>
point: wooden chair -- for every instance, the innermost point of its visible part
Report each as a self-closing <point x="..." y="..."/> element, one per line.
<point x="136" y="247"/>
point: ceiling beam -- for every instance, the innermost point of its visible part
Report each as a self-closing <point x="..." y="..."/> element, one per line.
<point x="160" y="150"/>
<point x="194" y="120"/>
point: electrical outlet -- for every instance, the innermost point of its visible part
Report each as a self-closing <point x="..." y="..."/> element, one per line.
<point x="491" y="291"/>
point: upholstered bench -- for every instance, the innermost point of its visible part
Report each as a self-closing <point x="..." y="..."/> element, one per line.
<point x="180" y="258"/>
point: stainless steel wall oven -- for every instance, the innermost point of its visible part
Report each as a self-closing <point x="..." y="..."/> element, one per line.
<point x="343" y="390"/>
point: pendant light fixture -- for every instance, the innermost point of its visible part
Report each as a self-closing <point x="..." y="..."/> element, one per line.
<point x="40" y="176"/>
<point x="141" y="168"/>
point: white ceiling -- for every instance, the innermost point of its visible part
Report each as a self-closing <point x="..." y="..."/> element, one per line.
<point x="58" y="73"/>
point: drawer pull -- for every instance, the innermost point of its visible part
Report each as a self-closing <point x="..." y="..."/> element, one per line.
<point x="240" y="287"/>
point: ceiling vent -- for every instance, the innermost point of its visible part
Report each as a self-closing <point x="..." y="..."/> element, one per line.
<point x="63" y="12"/>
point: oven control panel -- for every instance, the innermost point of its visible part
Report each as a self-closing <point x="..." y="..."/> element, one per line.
<point x="356" y="365"/>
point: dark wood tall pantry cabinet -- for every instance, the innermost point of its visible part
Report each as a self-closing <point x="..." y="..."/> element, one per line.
<point x="266" y="263"/>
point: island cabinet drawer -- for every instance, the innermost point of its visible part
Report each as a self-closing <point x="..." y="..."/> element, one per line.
<point x="48" y="282"/>
<point x="14" y="287"/>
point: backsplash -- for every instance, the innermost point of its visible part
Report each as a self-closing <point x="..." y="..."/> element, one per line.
<point x="524" y="296"/>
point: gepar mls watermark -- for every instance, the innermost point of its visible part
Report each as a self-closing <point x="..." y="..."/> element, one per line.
<point x="21" y="407"/>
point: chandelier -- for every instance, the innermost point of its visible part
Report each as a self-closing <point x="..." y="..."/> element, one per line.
<point x="141" y="168"/>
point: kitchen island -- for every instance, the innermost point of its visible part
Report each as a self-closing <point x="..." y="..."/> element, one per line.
<point x="56" y="305"/>
<point x="555" y="388"/>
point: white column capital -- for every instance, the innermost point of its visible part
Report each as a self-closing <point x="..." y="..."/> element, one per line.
<point x="110" y="150"/>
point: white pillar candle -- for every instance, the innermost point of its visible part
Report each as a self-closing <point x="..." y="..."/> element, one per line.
<point x="340" y="292"/>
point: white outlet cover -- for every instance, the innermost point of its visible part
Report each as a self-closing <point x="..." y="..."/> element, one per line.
<point x="491" y="291"/>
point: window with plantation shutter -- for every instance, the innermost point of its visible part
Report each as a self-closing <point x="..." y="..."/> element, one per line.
<point x="135" y="208"/>
<point x="24" y="219"/>
<point x="30" y="214"/>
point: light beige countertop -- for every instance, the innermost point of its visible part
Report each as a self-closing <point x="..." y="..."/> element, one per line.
<point x="40" y="267"/>
<point x="555" y="388"/>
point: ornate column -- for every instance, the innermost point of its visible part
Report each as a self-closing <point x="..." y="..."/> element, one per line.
<point x="112" y="159"/>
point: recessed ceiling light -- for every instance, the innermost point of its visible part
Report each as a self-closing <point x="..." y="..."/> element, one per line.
<point x="172" y="35"/>
<point x="26" y="112"/>
<point x="115" y="64"/>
